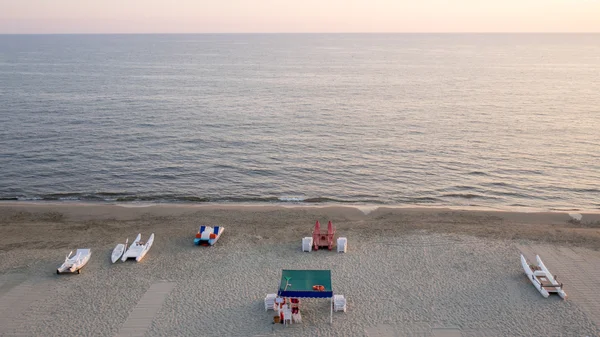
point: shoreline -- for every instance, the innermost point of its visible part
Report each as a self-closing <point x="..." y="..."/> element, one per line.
<point x="364" y="207"/>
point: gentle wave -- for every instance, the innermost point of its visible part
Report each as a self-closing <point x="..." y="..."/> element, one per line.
<point x="443" y="201"/>
<point x="466" y="196"/>
<point x="115" y="197"/>
<point x="170" y="198"/>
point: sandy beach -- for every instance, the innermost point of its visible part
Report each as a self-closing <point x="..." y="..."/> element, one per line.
<point x="407" y="272"/>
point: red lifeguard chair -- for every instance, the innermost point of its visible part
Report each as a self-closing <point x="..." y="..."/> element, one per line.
<point x="323" y="239"/>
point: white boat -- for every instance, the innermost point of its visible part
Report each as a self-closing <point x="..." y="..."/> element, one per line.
<point x="118" y="251"/>
<point x="138" y="248"/>
<point x="208" y="236"/>
<point x="541" y="278"/>
<point x="74" y="264"/>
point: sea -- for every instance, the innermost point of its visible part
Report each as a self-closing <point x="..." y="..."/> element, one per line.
<point x="502" y="121"/>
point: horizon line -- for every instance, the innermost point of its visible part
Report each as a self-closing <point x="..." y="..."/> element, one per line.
<point x="295" y="33"/>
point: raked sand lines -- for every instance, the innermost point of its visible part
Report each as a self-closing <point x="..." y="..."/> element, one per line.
<point x="140" y="318"/>
<point x="581" y="276"/>
<point x="14" y="302"/>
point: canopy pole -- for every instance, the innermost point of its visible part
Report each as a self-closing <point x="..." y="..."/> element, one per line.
<point x="331" y="312"/>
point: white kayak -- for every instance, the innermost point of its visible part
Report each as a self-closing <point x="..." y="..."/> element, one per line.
<point x="74" y="263"/>
<point x="138" y="248"/>
<point x="118" y="251"/>
<point x="541" y="278"/>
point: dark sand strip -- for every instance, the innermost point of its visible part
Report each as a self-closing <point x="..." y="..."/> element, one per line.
<point x="13" y="281"/>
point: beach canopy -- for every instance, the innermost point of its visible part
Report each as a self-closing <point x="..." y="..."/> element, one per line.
<point x="305" y="283"/>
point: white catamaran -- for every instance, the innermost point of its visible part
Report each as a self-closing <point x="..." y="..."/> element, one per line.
<point x="138" y="248"/>
<point x="541" y="278"/>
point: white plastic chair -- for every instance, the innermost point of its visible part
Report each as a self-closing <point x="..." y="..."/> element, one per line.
<point x="297" y="318"/>
<point x="342" y="245"/>
<point x="307" y="244"/>
<point x="270" y="302"/>
<point x="287" y="316"/>
<point x="339" y="303"/>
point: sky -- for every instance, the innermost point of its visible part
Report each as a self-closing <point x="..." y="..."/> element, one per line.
<point x="281" y="16"/>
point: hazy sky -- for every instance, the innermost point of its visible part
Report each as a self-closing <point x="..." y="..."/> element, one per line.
<point x="200" y="16"/>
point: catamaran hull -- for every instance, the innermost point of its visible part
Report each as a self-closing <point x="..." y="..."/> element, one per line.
<point x="557" y="290"/>
<point x="141" y="256"/>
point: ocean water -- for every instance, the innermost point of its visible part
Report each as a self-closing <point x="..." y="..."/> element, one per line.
<point x="490" y="120"/>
